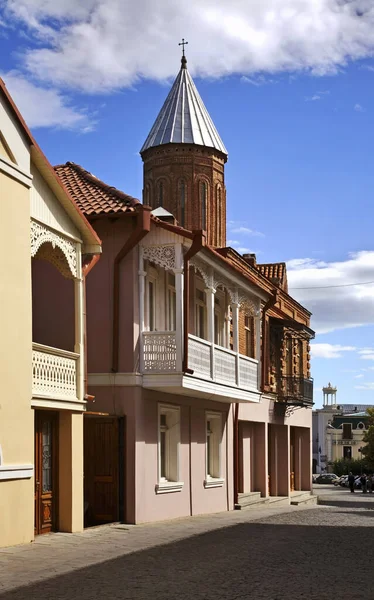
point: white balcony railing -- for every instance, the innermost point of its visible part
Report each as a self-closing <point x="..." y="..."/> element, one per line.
<point x="54" y="372"/>
<point x="206" y="360"/>
<point x="159" y="351"/>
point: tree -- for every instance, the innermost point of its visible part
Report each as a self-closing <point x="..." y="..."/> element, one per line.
<point x="368" y="449"/>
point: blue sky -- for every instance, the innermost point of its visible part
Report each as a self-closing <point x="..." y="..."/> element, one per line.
<point x="291" y="92"/>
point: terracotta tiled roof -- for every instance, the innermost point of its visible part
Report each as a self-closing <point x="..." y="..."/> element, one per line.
<point x="93" y="196"/>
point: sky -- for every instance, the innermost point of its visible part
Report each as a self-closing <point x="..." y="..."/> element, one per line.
<point x="289" y="86"/>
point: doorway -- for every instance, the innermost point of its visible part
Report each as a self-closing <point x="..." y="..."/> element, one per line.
<point x="103" y="471"/>
<point x="46" y="471"/>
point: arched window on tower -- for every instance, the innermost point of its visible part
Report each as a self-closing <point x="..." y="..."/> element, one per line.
<point x="203" y="203"/>
<point x="160" y="193"/>
<point x="219" y="215"/>
<point x="182" y="202"/>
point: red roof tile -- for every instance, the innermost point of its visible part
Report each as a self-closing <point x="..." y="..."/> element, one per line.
<point x="93" y="196"/>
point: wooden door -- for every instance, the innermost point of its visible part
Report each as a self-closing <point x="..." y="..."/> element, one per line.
<point x="45" y="471"/>
<point x="101" y="470"/>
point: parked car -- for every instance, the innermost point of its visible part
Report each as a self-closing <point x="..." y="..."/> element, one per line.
<point x="327" y="478"/>
<point x="340" y="480"/>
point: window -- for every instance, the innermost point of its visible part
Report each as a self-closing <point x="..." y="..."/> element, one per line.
<point x="347" y="452"/>
<point x="301" y="357"/>
<point x="347" y="431"/>
<point x="289" y="355"/>
<point x="160" y="194"/>
<point x="182" y="197"/>
<point x="151" y="296"/>
<point x="200" y="314"/>
<point x="213" y="450"/>
<point x="218" y="322"/>
<point x="171" y="303"/>
<point x="203" y="199"/>
<point x="168" y="449"/>
<point x="219" y="214"/>
<point x="248" y="322"/>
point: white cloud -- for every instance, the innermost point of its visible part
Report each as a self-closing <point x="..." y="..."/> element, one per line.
<point x="45" y="107"/>
<point x="366" y="353"/>
<point x="257" y="80"/>
<point x="101" y="45"/>
<point x="312" y="98"/>
<point x="335" y="307"/>
<point x="366" y="386"/>
<point x="358" y="108"/>
<point x="359" y="376"/>
<point x="329" y="350"/>
<point x="246" y="231"/>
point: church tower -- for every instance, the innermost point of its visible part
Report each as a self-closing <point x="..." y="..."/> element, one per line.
<point x="184" y="162"/>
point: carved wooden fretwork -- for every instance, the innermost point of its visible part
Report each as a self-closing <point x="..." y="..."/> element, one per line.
<point x="205" y="272"/>
<point x="164" y="256"/>
<point x="63" y="254"/>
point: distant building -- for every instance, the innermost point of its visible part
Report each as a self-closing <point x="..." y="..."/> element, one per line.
<point x="338" y="430"/>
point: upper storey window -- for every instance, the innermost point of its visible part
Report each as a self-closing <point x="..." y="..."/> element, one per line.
<point x="219" y="214"/>
<point x="160" y="193"/>
<point x="182" y="202"/>
<point x="203" y="203"/>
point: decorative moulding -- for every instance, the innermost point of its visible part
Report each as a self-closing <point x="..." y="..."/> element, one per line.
<point x="16" y="472"/>
<point x="40" y="234"/>
<point x="213" y="482"/>
<point x="164" y="256"/>
<point x="166" y="487"/>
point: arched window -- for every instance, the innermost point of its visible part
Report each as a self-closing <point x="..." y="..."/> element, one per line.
<point x="160" y="194"/>
<point x="219" y="215"/>
<point x="147" y="196"/>
<point x="203" y="199"/>
<point x="182" y="202"/>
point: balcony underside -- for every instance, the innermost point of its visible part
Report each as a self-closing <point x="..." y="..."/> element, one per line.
<point x="187" y="385"/>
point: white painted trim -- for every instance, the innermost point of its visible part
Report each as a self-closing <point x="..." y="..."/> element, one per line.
<point x="56" y="351"/>
<point x="166" y="487"/>
<point x="58" y="404"/>
<point x="213" y="482"/>
<point x="65" y="234"/>
<point x="115" y="379"/>
<point x="16" y="472"/>
<point x="8" y="167"/>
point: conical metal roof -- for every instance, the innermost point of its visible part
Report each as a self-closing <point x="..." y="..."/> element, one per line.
<point x="183" y="119"/>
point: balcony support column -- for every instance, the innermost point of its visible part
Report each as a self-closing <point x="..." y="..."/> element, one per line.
<point x="179" y="316"/>
<point x="235" y="334"/>
<point x="142" y="274"/>
<point x="257" y="321"/>
<point x="79" y="324"/>
<point x="209" y="294"/>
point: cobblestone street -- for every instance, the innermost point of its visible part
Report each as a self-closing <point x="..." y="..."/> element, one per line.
<point x="264" y="553"/>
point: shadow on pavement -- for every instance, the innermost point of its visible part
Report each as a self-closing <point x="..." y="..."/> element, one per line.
<point x="252" y="560"/>
<point x="353" y="503"/>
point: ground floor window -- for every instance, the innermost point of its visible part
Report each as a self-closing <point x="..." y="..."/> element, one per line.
<point x="213" y="423"/>
<point x="168" y="449"/>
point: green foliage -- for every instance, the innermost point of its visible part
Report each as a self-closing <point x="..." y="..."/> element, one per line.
<point x="343" y="466"/>
<point x="368" y="439"/>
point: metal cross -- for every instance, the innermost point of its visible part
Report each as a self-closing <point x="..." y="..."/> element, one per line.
<point x="183" y="44"/>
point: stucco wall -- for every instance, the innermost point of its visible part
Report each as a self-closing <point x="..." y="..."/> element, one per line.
<point x="141" y="410"/>
<point x="16" y="416"/>
<point x="113" y="234"/>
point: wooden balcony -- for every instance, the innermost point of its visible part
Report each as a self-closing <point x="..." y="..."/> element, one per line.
<point x="231" y="374"/>
<point x="54" y="373"/>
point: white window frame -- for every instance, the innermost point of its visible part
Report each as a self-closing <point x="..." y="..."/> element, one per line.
<point x="198" y="305"/>
<point x="151" y="277"/>
<point x="213" y="471"/>
<point x="219" y="336"/>
<point x="170" y="292"/>
<point x="169" y="483"/>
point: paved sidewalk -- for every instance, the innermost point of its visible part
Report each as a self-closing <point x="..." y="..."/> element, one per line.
<point x="60" y="553"/>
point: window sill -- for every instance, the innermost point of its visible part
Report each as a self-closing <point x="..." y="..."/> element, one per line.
<point x="166" y="487"/>
<point x="213" y="482"/>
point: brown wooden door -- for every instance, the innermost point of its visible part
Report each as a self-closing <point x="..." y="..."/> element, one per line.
<point x="101" y="457"/>
<point x="45" y="471"/>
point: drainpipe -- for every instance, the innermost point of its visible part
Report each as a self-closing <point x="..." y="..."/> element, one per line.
<point x="236" y="456"/>
<point x="86" y="268"/>
<point x="142" y="227"/>
<point x="264" y="354"/>
<point x="198" y="242"/>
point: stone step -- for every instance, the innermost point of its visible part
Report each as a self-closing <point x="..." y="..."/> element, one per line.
<point x="301" y="497"/>
<point x="279" y="500"/>
<point x="250" y="499"/>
